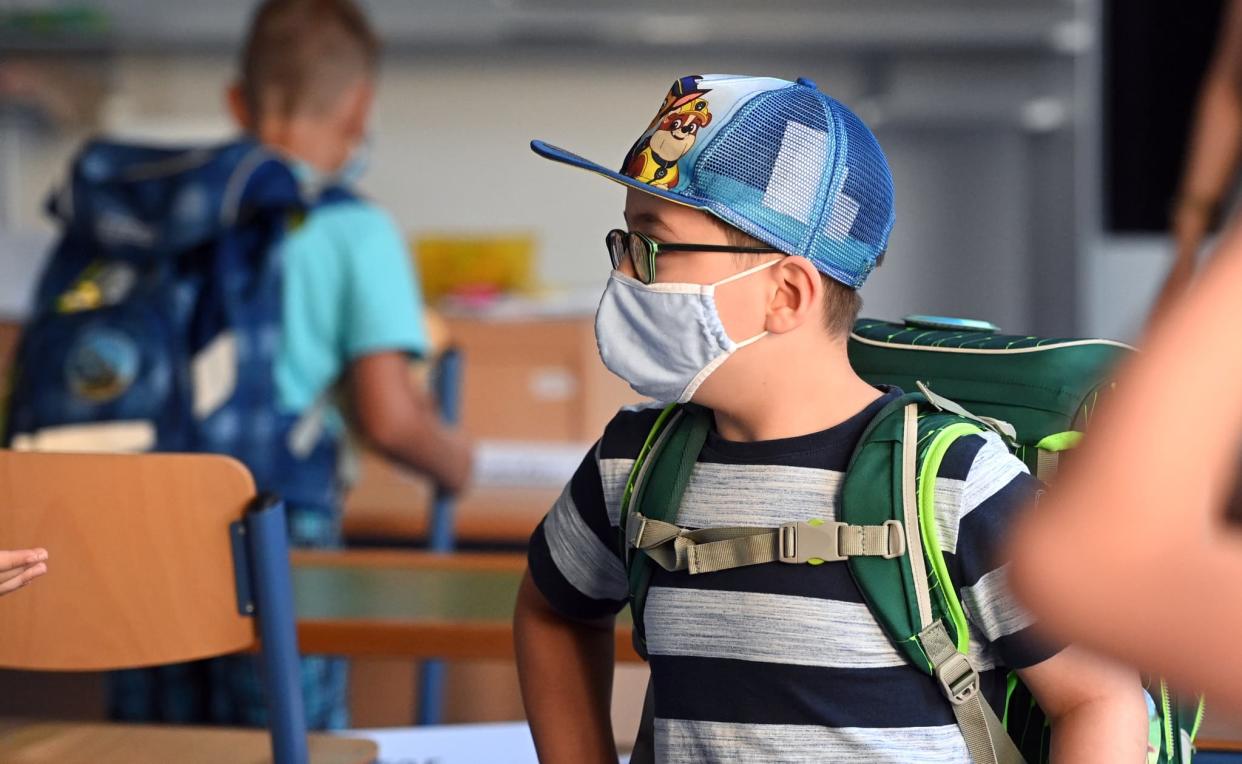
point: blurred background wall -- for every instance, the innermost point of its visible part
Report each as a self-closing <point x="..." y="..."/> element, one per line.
<point x="991" y="112"/>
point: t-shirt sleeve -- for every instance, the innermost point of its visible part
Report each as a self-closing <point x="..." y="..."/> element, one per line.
<point x="573" y="554"/>
<point x="383" y="300"/>
<point x="980" y="489"/>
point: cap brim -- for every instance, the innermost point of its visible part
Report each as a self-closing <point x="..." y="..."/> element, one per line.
<point x="573" y="160"/>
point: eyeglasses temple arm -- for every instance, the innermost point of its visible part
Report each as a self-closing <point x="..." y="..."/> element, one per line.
<point x="711" y="248"/>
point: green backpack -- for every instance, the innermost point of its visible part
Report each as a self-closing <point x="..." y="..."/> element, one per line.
<point x="1037" y="394"/>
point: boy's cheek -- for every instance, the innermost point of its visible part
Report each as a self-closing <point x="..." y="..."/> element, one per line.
<point x="694" y="267"/>
<point x="742" y="310"/>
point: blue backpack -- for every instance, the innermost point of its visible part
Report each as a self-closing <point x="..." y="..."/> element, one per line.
<point x="157" y="319"/>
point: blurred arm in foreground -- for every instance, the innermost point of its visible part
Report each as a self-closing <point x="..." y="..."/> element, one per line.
<point x="1129" y="554"/>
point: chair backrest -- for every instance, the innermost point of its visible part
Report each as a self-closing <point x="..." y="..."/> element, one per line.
<point x="141" y="565"/>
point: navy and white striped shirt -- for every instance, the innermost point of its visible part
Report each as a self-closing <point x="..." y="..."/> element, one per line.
<point x="785" y="662"/>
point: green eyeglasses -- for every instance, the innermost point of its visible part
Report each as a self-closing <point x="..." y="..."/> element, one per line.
<point x="641" y="250"/>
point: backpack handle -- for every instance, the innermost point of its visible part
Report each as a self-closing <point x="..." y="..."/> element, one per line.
<point x="949" y="323"/>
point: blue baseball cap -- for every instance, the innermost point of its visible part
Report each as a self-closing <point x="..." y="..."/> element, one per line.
<point x="779" y="160"/>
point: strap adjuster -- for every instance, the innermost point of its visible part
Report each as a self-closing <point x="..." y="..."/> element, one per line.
<point x="896" y="540"/>
<point x="958" y="679"/>
<point x="634" y="530"/>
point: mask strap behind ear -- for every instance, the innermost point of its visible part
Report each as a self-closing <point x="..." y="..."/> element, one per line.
<point x="752" y="340"/>
<point x="747" y="272"/>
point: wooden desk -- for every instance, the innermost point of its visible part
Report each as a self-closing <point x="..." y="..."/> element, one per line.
<point x="1219" y="746"/>
<point x="35" y="742"/>
<point x="393" y="505"/>
<point x="413" y="605"/>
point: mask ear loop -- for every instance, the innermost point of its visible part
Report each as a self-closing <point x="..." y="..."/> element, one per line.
<point x="711" y="289"/>
<point x="747" y="272"/>
<point x="707" y="370"/>
<point x="699" y="378"/>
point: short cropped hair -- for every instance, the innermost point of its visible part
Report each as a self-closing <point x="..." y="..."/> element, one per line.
<point x="842" y="304"/>
<point x="301" y="55"/>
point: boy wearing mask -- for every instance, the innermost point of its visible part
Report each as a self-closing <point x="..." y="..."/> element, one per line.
<point x="755" y="209"/>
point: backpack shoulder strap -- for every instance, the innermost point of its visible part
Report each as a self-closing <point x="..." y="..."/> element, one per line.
<point x="654" y="490"/>
<point x="649" y="532"/>
<point x="708" y="550"/>
<point x="893" y="466"/>
<point x="892" y="476"/>
<point x="880" y="487"/>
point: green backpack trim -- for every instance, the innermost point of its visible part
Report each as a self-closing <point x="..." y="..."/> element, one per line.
<point x="942" y="439"/>
<point x="652" y="436"/>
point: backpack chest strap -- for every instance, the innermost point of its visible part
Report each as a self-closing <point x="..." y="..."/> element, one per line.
<point x="708" y="550"/>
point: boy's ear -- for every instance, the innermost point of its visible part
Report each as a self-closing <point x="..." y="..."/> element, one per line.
<point x="238" y="107"/>
<point x="360" y="97"/>
<point x="797" y="296"/>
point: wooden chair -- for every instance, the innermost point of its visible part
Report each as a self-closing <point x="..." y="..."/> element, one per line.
<point x="154" y="559"/>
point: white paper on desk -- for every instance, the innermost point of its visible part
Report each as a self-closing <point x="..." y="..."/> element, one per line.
<point x="510" y="463"/>
<point x="452" y="744"/>
<point x="508" y="742"/>
<point x="574" y="303"/>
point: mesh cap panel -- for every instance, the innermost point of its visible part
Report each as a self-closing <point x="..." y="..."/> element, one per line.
<point x="779" y="160"/>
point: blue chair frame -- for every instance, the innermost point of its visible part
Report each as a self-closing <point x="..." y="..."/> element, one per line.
<point x="265" y="590"/>
<point x="440" y="538"/>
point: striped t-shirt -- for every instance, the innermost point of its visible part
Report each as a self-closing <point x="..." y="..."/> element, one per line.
<point x="785" y="662"/>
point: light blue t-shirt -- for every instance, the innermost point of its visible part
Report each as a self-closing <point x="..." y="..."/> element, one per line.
<point x="350" y="289"/>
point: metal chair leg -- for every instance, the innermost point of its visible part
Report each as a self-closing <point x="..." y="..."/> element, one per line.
<point x="440" y="537"/>
<point x="268" y="545"/>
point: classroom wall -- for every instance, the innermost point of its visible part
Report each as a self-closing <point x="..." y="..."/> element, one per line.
<point x="1122" y="276"/>
<point x="450" y="153"/>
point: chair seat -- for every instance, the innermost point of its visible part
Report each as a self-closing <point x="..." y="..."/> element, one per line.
<point x="35" y="742"/>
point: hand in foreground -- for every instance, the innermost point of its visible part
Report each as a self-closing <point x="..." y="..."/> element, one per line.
<point x="19" y="567"/>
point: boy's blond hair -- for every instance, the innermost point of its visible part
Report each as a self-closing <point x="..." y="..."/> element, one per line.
<point x="301" y="55"/>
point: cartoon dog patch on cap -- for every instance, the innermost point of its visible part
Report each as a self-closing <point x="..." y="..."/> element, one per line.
<point x="670" y="136"/>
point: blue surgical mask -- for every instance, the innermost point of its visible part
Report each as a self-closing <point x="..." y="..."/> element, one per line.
<point x="665" y="339"/>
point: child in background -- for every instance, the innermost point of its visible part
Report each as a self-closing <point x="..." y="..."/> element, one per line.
<point x="756" y="208"/>
<point x="19" y="567"/>
<point x="352" y="313"/>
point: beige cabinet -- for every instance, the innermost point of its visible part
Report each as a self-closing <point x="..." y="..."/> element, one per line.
<point x="536" y="381"/>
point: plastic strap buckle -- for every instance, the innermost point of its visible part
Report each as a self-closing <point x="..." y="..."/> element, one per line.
<point x="802" y="542"/>
<point x="958" y="679"/>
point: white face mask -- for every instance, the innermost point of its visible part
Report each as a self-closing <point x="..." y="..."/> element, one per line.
<point x="665" y="339"/>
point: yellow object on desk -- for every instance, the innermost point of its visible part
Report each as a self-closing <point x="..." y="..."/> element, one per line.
<point x="488" y="264"/>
